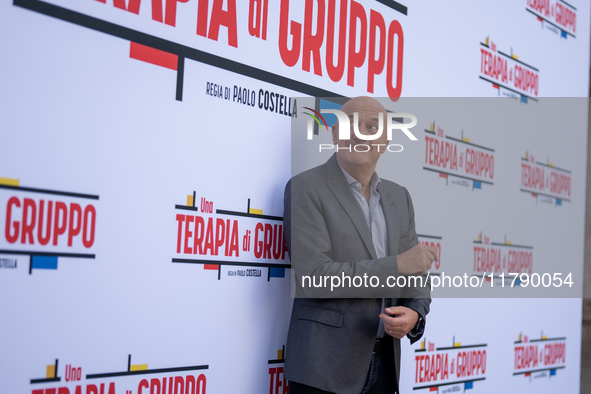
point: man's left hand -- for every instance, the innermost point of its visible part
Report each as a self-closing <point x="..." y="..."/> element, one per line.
<point x="404" y="320"/>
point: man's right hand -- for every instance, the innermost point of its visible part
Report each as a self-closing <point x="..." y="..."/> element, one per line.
<point x="417" y="260"/>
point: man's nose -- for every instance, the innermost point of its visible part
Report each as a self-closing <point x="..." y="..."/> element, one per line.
<point x="363" y="130"/>
<point x="354" y="136"/>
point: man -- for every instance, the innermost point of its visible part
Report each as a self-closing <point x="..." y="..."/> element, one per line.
<point x="341" y="220"/>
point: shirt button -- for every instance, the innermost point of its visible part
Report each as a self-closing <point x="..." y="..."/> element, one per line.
<point x="362" y="199"/>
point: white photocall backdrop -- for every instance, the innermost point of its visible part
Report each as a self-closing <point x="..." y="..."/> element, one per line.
<point x="163" y="267"/>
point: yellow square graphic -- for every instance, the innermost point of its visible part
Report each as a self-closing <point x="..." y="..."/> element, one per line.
<point x="50" y="371"/>
<point x="9" y="182"/>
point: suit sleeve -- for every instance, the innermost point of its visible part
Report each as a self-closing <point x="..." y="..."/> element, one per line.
<point x="310" y="247"/>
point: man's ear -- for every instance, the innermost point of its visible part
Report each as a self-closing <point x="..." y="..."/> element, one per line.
<point x="335" y="133"/>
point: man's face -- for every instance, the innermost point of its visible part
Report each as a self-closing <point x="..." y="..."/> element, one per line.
<point x="369" y="111"/>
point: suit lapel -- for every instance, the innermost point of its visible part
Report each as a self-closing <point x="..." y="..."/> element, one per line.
<point x="337" y="183"/>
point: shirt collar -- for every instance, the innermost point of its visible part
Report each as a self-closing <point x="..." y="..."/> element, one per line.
<point x="374" y="181"/>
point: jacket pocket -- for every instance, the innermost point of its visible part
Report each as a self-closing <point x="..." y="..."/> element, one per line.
<point x="330" y="317"/>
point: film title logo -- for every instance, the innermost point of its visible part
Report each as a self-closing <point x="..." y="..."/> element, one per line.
<point x="461" y="159"/>
<point x="176" y="380"/>
<point x="558" y="14"/>
<point x="363" y="29"/>
<point x="376" y="129"/>
<point x="217" y="237"/>
<point x="505" y="71"/>
<point x="538" y="358"/>
<point x="40" y="221"/>
<point x="449" y="369"/>
<point x="277" y="383"/>
<point x="545" y="181"/>
<point x="46" y="224"/>
<point x="165" y="11"/>
<point x="502" y="257"/>
<point x="310" y="41"/>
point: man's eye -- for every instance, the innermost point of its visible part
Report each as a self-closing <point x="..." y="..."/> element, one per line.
<point x="373" y="128"/>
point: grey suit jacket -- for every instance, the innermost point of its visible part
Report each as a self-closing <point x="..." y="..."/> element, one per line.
<point x="330" y="340"/>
